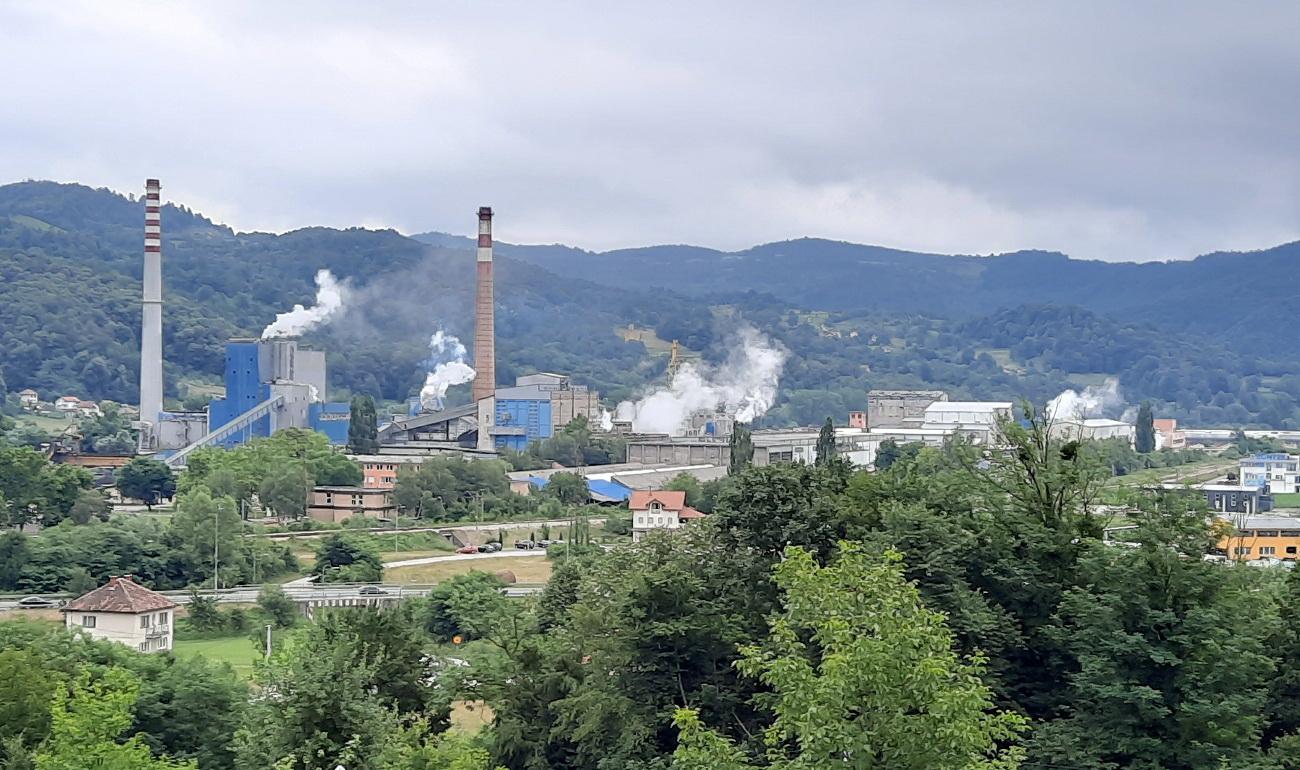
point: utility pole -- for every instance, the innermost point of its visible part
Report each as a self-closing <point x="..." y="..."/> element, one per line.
<point x="216" y="518"/>
<point x="268" y="640"/>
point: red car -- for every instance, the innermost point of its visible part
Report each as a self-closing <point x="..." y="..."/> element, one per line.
<point x="467" y="549"/>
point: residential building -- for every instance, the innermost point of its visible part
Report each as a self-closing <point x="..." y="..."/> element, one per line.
<point x="1246" y="538"/>
<point x="67" y="403"/>
<point x="899" y="408"/>
<point x="125" y="612"/>
<point x="659" y="509"/>
<point x="380" y="471"/>
<point x="89" y="409"/>
<point x="339" y="503"/>
<point x="1229" y="498"/>
<point x="1278" y="471"/>
<point x="28" y="398"/>
<point x="1168" y="436"/>
<point x="858" y="420"/>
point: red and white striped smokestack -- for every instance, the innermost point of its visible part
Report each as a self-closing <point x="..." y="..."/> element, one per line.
<point x="151" y="361"/>
<point x="485" y="362"/>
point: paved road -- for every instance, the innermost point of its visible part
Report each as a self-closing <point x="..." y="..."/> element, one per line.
<point x="304" y="593"/>
<point x="465" y="557"/>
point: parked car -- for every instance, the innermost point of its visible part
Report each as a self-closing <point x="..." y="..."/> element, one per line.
<point x="544" y="543"/>
<point x="525" y="545"/>
<point x="372" y="591"/>
<point x="493" y="547"/>
<point x="467" y="549"/>
<point x="37" y="603"/>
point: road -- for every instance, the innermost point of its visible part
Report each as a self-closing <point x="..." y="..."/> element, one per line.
<point x="303" y="589"/>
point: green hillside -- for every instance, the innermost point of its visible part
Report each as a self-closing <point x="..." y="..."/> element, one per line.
<point x="69" y="314"/>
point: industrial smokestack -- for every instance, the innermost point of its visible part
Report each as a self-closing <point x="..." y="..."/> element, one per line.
<point x="485" y="367"/>
<point x="151" y="361"/>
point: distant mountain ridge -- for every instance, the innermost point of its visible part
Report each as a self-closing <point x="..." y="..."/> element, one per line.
<point x="1219" y="292"/>
<point x="851" y="317"/>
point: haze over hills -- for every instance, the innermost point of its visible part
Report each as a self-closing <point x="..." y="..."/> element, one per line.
<point x="852" y="317"/>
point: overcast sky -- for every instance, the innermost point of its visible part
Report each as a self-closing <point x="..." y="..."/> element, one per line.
<point x="1106" y="130"/>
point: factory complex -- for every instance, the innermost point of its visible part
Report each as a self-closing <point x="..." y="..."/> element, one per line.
<point x="276" y="382"/>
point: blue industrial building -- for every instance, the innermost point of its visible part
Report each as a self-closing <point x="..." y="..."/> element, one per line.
<point x="523" y="415"/>
<point x="271" y="385"/>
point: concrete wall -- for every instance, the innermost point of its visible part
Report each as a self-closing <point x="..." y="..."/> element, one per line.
<point x="680" y="453"/>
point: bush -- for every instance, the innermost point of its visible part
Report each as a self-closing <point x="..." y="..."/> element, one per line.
<point x="282" y="610"/>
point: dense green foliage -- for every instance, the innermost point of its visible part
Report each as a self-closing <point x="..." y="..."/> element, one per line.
<point x="147" y="480"/>
<point x="958" y="609"/>
<point x="363" y="428"/>
<point x="32" y="489"/>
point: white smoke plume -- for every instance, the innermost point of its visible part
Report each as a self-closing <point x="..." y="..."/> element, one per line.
<point x="745" y="385"/>
<point x="447" y="367"/>
<point x="1094" y="401"/>
<point x="329" y="300"/>
<point x="606" y="420"/>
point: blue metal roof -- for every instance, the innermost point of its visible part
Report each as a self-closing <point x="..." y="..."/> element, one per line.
<point x="611" y="489"/>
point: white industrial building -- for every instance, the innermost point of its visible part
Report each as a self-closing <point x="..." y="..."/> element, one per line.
<point x="1278" y="471"/>
<point x="1094" y="429"/>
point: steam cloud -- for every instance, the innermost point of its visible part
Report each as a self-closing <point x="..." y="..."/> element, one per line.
<point x="447" y="367"/>
<point x="1094" y="401"/>
<point x="606" y="420"/>
<point x="745" y="385"/>
<point x="329" y="300"/>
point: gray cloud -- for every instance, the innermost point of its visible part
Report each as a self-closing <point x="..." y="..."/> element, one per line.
<point x="1107" y="130"/>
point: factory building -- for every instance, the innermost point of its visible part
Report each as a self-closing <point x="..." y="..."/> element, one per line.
<point x="1094" y="429"/>
<point x="897" y="408"/>
<point x="538" y="407"/>
<point x="271" y="385"/>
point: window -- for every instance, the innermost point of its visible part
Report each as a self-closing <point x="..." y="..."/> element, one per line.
<point x="146" y="621"/>
<point x="87" y="621"/>
<point x="1243" y="550"/>
<point x="1267" y="550"/>
<point x="162" y="618"/>
<point x="144" y="646"/>
<point x="1266" y="533"/>
<point x="1290" y="549"/>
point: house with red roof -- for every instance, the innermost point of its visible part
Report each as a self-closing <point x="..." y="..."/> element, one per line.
<point x="659" y="509"/>
<point x="125" y="612"/>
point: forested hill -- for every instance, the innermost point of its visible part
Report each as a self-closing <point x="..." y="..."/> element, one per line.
<point x="69" y="315"/>
<point x="70" y="263"/>
<point x="1236" y="295"/>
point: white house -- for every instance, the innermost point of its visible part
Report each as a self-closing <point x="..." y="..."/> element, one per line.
<point x="1281" y="472"/>
<point x="89" y="409"/>
<point x="125" y="612"/>
<point x="67" y="403"/>
<point x="28" y="398"/>
<point x="659" y="509"/>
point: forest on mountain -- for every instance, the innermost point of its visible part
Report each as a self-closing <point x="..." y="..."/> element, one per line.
<point x="69" y="313"/>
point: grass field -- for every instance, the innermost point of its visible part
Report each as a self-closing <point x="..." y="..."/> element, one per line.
<point x="470" y="716"/>
<point x="238" y="651"/>
<point x="1289" y="500"/>
<point x="527" y="569"/>
<point x="49" y="425"/>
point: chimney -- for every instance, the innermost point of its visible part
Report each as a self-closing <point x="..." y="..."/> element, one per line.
<point x="151" y="361"/>
<point x="485" y="367"/>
